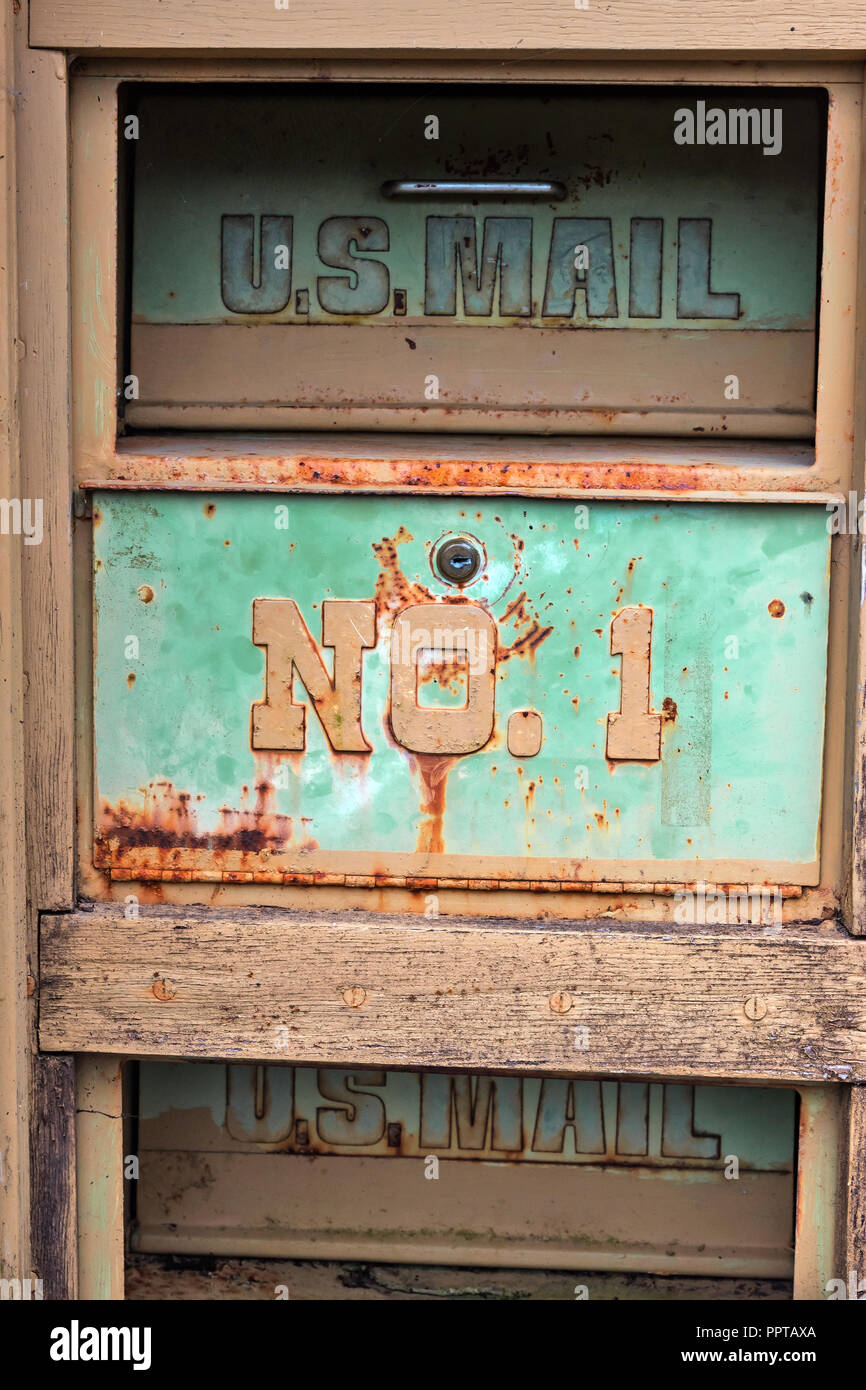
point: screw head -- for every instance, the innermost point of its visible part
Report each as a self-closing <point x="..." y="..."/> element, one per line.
<point x="560" y="1002"/>
<point x="755" y="1007"/>
<point x="354" y="997"/>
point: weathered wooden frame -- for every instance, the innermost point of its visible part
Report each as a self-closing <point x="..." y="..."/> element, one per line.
<point x="797" y="28"/>
<point x="658" y="1004"/>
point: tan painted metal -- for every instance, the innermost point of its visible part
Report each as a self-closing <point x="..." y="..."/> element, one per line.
<point x="171" y="358"/>
<point x="488" y="1215"/>
<point x="817" y="1246"/>
<point x="95" y="261"/>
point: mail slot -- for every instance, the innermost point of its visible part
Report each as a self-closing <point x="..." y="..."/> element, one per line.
<point x="534" y="258"/>
<point x="290" y="690"/>
<point x="595" y="1175"/>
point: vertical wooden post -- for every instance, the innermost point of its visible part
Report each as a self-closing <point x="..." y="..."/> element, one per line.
<point x="54" y="1224"/>
<point x="854" y="1204"/>
<point x="42" y="318"/>
<point x="15" y="1254"/>
<point x="44" y="311"/>
<point x="99" y="1130"/>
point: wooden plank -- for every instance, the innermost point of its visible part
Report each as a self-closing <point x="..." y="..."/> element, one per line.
<point x="43" y="398"/>
<point x="854" y="1161"/>
<point x="734" y="27"/>
<point x="42" y="337"/>
<point x="15" y="1027"/>
<point x="99" y="1138"/>
<point x="265" y="985"/>
<point x="54" y="1230"/>
<point x="854" y="826"/>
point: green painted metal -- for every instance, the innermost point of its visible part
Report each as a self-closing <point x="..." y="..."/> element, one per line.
<point x="405" y="1114"/>
<point x="739" y="597"/>
<point x="703" y="234"/>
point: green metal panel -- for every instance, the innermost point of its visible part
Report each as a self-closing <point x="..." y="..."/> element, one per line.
<point x="578" y="258"/>
<point x="738" y="600"/>
<point x="300" y="158"/>
<point x="403" y="1114"/>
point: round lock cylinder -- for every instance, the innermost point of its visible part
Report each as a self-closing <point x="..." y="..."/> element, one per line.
<point x="457" y="560"/>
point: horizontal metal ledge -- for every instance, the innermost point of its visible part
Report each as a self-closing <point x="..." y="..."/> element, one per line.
<point x="640" y="468"/>
<point x="401" y="991"/>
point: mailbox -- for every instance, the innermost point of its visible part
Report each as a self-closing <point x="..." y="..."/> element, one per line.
<point x="544" y="259"/>
<point x="521" y="1171"/>
<point x="463" y="610"/>
<point x="562" y="690"/>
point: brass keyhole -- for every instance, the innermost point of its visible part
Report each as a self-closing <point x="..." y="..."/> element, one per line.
<point x="458" y="561"/>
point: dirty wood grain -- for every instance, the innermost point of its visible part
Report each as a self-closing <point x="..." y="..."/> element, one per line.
<point x="54" y="1231"/>
<point x="43" y="403"/>
<point x="494" y="26"/>
<point x="854" y="894"/>
<point x="855" y="1170"/>
<point x="261" y="984"/>
<point x="15" y="1025"/>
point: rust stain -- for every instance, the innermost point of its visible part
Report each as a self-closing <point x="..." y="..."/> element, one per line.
<point x="145" y="593"/>
<point x="394" y="591"/>
<point x="432" y="770"/>
<point x="448" y="675"/>
<point x="527" y="642"/>
<point x="163" y="990"/>
<point x="516" y="611"/>
<point x="776" y="608"/>
<point x="669" y="710"/>
<point x="167" y="821"/>
<point x="477" y="476"/>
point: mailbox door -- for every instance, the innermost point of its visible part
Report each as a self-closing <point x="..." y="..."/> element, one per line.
<point x="289" y="688"/>
<point x="592" y="1175"/>
<point x="500" y="258"/>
